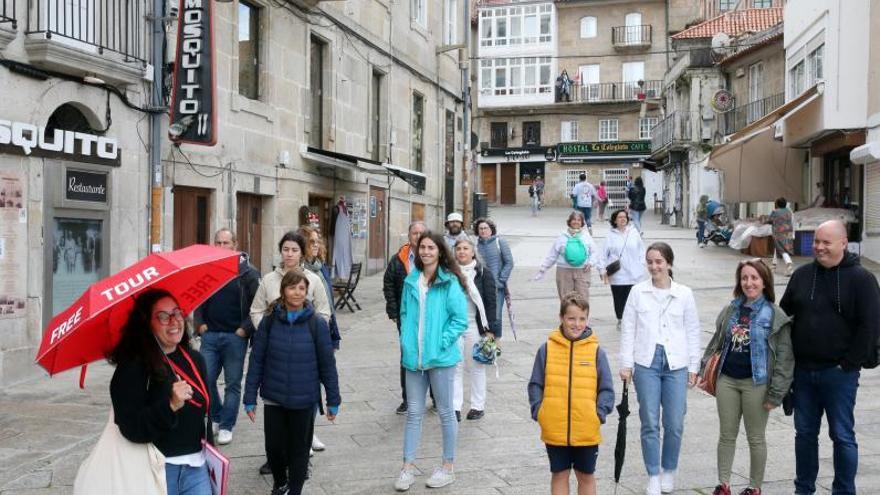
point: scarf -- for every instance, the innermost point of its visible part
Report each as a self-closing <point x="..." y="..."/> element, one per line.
<point x="574" y="232"/>
<point x="316" y="267"/>
<point x="470" y="273"/>
<point x="313" y="266"/>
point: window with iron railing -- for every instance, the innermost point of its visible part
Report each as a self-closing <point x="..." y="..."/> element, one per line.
<point x="7" y="13"/>
<point x="97" y="26"/>
<point x="631" y="35"/>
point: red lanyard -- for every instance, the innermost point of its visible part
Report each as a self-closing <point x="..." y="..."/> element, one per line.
<point x="200" y="386"/>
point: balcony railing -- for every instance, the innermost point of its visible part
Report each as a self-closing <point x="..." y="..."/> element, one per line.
<point x="7" y="12"/>
<point x="614" y="92"/>
<point x="117" y="26"/>
<point x="744" y="115"/>
<point x="674" y="128"/>
<point x="631" y="36"/>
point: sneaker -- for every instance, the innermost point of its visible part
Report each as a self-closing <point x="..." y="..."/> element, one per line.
<point x="317" y="445"/>
<point x="721" y="489"/>
<point x="653" y="487"/>
<point x="265" y="469"/>
<point x="474" y="414"/>
<point x="789" y="269"/>
<point x="280" y="490"/>
<point x="667" y="482"/>
<point x="224" y="437"/>
<point x="311" y="453"/>
<point x="458" y="416"/>
<point x="401" y="409"/>
<point x="434" y="407"/>
<point x="750" y="491"/>
<point x="405" y="480"/>
<point x="440" y="478"/>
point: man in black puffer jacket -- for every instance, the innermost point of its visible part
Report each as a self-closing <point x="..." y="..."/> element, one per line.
<point x="392" y="286"/>
<point x="835" y="306"/>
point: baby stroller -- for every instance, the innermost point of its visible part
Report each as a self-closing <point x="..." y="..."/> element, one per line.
<point x="718" y="228"/>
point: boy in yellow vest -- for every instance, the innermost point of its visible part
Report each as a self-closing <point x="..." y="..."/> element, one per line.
<point x="570" y="393"/>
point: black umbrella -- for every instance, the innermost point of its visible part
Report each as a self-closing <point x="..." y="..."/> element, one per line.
<point x="620" y="446"/>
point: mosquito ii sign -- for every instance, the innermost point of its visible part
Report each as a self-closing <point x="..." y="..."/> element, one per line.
<point x="193" y="112"/>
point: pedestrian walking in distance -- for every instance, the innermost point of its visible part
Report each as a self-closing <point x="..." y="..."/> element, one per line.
<point x="575" y="254"/>
<point x="660" y="352"/>
<point x="637" y="204"/>
<point x="783" y="235"/>
<point x="225" y="326"/>
<point x="623" y="260"/>
<point x="392" y="287"/>
<point x="601" y="199"/>
<point x="292" y="358"/>
<point x="158" y="391"/>
<point x="752" y="345"/>
<point x="834" y="303"/>
<point x="496" y="256"/>
<point x="433" y="315"/>
<point x="482" y="323"/>
<point x="584" y="193"/>
<point x="571" y="391"/>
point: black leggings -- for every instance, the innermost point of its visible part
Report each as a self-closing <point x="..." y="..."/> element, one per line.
<point x="288" y="440"/>
<point x="620" y="293"/>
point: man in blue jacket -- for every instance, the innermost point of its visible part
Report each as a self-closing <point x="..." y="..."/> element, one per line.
<point x="224" y="323"/>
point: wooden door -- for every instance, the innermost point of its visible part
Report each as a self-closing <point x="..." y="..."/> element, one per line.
<point x="378" y="227"/>
<point x="508" y="183"/>
<point x="249" y="227"/>
<point x="488" y="181"/>
<point x="192" y="209"/>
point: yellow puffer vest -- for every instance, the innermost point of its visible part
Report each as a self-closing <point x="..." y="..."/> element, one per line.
<point x="568" y="411"/>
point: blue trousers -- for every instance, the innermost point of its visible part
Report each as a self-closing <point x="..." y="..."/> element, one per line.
<point x="187" y="480"/>
<point x="224" y="350"/>
<point x="442" y="382"/>
<point x="831" y="392"/>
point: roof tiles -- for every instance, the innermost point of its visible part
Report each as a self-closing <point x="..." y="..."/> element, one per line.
<point x="734" y="23"/>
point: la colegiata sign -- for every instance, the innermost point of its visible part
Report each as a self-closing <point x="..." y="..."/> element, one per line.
<point x="604" y="148"/>
<point x="193" y="107"/>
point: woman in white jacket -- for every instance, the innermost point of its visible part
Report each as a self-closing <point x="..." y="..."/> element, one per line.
<point x="574" y="253"/>
<point x="623" y="244"/>
<point x="661" y="340"/>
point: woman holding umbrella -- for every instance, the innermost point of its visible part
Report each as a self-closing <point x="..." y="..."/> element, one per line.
<point x="661" y="339"/>
<point x="158" y="390"/>
<point x="755" y="367"/>
<point x="624" y="260"/>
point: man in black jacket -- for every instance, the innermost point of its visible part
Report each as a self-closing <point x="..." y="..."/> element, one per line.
<point x="835" y="306"/>
<point x="392" y="285"/>
<point x="224" y="323"/>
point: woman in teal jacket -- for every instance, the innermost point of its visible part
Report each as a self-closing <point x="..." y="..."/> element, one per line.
<point x="433" y="315"/>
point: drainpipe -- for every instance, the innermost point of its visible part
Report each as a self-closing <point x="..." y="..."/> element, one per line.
<point x="466" y="102"/>
<point x="156" y="197"/>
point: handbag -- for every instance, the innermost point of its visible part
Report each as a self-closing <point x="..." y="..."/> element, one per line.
<point x="117" y="466"/>
<point x="614" y="266"/>
<point x="709" y="378"/>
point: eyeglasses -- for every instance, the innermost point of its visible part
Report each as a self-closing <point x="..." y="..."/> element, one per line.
<point x="752" y="260"/>
<point x="164" y="317"/>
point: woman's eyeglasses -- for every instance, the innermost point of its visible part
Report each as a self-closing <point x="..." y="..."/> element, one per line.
<point x="752" y="260"/>
<point x="164" y="317"/>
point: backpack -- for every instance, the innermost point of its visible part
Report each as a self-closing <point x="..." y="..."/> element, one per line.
<point x="531" y="191"/>
<point x="575" y="251"/>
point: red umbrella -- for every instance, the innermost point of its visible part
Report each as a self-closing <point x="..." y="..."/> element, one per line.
<point x="89" y="328"/>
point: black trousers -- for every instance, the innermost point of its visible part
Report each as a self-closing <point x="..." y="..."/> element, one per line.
<point x="620" y="293"/>
<point x="288" y="440"/>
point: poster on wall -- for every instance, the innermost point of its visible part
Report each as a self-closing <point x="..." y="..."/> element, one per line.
<point x="13" y="246"/>
<point x="76" y="259"/>
<point x="357" y="210"/>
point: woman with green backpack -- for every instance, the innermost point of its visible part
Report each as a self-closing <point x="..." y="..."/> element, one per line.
<point x="574" y="253"/>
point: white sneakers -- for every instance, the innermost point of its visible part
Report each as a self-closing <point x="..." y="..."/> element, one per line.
<point x="653" y="487"/>
<point x="317" y="445"/>
<point x="667" y="482"/>
<point x="224" y="437"/>
<point x="440" y="478"/>
<point x="405" y="480"/>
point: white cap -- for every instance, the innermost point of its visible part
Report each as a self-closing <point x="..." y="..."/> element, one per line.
<point x="454" y="217"/>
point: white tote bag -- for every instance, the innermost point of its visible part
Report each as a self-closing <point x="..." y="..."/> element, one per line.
<point x="118" y="466"/>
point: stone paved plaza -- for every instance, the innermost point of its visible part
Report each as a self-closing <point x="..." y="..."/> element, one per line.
<point x="47" y="426"/>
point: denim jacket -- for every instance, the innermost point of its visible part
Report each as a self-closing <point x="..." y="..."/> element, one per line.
<point x="771" y="349"/>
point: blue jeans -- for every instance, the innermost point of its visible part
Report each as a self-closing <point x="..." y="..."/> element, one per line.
<point x="588" y="215"/>
<point x="833" y="392"/>
<point x="224" y="350"/>
<point x="659" y="386"/>
<point x="442" y="381"/>
<point x="187" y="480"/>
<point x="636" y="218"/>
<point x="701" y="231"/>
